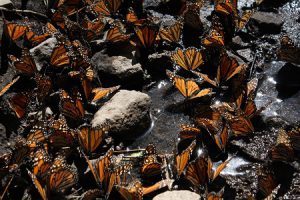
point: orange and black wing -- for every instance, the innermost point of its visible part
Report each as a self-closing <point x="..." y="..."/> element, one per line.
<point x="100" y="93"/>
<point x="182" y="159"/>
<point x="189" y="59"/>
<point x="25" y="64"/>
<point x="60" y="56"/>
<point x="147" y="35"/>
<point x="172" y="33"/>
<point x="3" y="90"/>
<point x="196" y="172"/>
<point x="90" y="138"/>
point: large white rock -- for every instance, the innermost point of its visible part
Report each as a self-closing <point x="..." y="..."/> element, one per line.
<point x="42" y="52"/>
<point x="119" y="66"/>
<point x="127" y="113"/>
<point x="177" y="195"/>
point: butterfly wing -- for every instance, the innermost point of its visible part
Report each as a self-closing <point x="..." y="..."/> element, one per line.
<point x="182" y="159"/>
<point x="196" y="172"/>
<point x="3" y="90"/>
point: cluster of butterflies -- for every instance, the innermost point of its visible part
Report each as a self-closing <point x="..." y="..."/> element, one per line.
<point x="224" y="89"/>
<point x="51" y="141"/>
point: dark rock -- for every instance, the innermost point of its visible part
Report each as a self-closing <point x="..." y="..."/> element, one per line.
<point x="246" y="54"/>
<point x="257" y="145"/>
<point x="238" y="43"/>
<point x="127" y="113"/>
<point x="266" y="23"/>
<point x="37" y="6"/>
<point x="243" y="184"/>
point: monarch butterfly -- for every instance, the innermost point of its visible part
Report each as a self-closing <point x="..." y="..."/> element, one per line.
<point x="63" y="137"/>
<point x="14" y="30"/>
<point x="93" y="28"/>
<point x="58" y="18"/>
<point x="191" y="15"/>
<point x="44" y="86"/>
<point x="283" y="150"/>
<point x="288" y="51"/>
<point x="132" y="18"/>
<point x="42" y="163"/>
<point x="38" y="133"/>
<point x="188" y="88"/>
<point x="116" y="34"/>
<point x="196" y="172"/>
<point x="225" y="7"/>
<point x="213" y="174"/>
<point x="209" y="119"/>
<point x="182" y="159"/>
<point x="227" y="69"/>
<point x="267" y="182"/>
<point x="216" y="196"/>
<point x="69" y="6"/>
<point x="90" y="138"/>
<point x="86" y="78"/>
<point x="133" y="192"/>
<point x="62" y="179"/>
<point x="100" y="93"/>
<point x="19" y="153"/>
<point x="35" y="38"/>
<point x="151" y="166"/>
<point x="100" y="166"/>
<point x="80" y="57"/>
<point x="57" y="181"/>
<point x="147" y="35"/>
<point x="213" y="39"/>
<point x="221" y="138"/>
<point x="19" y="102"/>
<point x="294" y="136"/>
<point x="188" y="131"/>
<point x="25" y="64"/>
<point x="172" y="33"/>
<point x="242" y="21"/>
<point x="70" y="107"/>
<point x="112" y="177"/>
<point x="105" y="8"/>
<point x="189" y="59"/>
<point x="3" y="90"/>
<point x="60" y="55"/>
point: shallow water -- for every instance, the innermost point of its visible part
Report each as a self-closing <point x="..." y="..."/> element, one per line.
<point x="166" y="124"/>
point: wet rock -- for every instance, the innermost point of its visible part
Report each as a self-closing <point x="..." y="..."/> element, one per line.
<point x="118" y="67"/>
<point x="258" y="145"/>
<point x="37" y="6"/>
<point x="159" y="62"/>
<point x="266" y="23"/>
<point x="246" y="53"/>
<point x="127" y="113"/>
<point x="177" y="195"/>
<point x="43" y="51"/>
<point x="244" y="184"/>
<point x="238" y="43"/>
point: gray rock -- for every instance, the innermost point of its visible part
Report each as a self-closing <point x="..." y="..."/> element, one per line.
<point x="266" y="23"/>
<point x="118" y="66"/>
<point x="33" y="5"/>
<point x="238" y="43"/>
<point x="127" y="113"/>
<point x="42" y="52"/>
<point x="177" y="195"/>
<point x="245" y="53"/>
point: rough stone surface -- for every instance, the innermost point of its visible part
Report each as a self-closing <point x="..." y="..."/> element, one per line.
<point x="34" y="5"/>
<point x="127" y="113"/>
<point x="43" y="51"/>
<point x="266" y="23"/>
<point x="245" y="53"/>
<point x="177" y="195"/>
<point x="238" y="43"/>
<point x="117" y="66"/>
